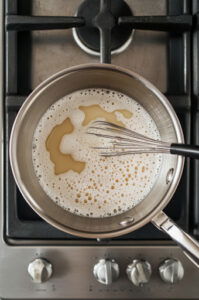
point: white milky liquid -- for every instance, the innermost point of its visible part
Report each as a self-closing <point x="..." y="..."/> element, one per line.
<point x="107" y="186"/>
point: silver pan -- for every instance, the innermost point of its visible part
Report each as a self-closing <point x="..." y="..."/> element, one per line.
<point x="150" y="209"/>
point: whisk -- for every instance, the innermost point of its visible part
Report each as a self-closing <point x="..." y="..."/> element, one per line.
<point x="124" y="141"/>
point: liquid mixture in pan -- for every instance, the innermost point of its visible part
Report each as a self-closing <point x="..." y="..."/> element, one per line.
<point x="73" y="174"/>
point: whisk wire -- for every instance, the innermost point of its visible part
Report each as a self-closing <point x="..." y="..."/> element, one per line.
<point x="125" y="141"/>
<point x="122" y="130"/>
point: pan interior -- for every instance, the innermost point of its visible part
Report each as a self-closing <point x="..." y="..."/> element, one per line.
<point x="87" y="184"/>
<point x="54" y="89"/>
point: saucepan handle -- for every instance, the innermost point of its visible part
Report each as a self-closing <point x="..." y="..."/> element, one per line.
<point x="189" y="246"/>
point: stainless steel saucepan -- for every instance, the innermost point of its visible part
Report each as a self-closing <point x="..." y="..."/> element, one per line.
<point x="150" y="209"/>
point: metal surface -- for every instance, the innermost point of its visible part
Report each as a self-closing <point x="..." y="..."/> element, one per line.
<point x="1" y="119"/>
<point x="171" y="271"/>
<point x="188" y="244"/>
<point x="65" y="82"/>
<point x="139" y="272"/>
<point x="146" y="50"/>
<point x="40" y="270"/>
<point x="69" y="282"/>
<point x="123" y="141"/>
<point x="106" y="271"/>
<point x="195" y="119"/>
<point x="103" y="15"/>
<point x="95" y="53"/>
<point x="73" y="278"/>
<point x="163" y="23"/>
<point x="24" y="23"/>
<point x="105" y="22"/>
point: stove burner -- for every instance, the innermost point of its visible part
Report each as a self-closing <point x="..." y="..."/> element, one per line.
<point x="88" y="37"/>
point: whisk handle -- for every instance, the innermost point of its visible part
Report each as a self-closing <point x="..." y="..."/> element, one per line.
<point x="185" y="150"/>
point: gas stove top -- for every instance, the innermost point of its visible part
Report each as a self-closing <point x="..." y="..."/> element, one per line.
<point x="157" y="39"/>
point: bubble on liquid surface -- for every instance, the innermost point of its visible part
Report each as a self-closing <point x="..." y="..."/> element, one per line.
<point x="106" y="186"/>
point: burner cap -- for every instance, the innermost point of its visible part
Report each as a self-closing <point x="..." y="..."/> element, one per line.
<point x="88" y="36"/>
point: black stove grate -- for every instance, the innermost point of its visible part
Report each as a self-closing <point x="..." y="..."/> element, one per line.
<point x="195" y="119"/>
<point x="21" y="221"/>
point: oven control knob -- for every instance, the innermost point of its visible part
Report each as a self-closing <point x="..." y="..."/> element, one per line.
<point x="40" y="270"/>
<point x="106" y="271"/>
<point x="171" y="270"/>
<point x="139" y="272"/>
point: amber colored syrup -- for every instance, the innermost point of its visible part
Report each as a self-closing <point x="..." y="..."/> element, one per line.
<point x="65" y="162"/>
<point x="62" y="162"/>
<point x="92" y="112"/>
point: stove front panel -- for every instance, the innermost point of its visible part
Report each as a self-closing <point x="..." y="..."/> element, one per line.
<point x="73" y="277"/>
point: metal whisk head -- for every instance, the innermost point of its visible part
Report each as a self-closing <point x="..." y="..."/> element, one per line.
<point x="124" y="141"/>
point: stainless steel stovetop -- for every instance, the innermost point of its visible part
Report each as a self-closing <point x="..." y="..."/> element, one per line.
<point x="70" y="261"/>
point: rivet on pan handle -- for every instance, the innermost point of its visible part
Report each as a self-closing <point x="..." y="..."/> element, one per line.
<point x="189" y="246"/>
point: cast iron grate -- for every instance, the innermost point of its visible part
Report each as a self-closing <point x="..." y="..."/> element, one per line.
<point x="21" y="221"/>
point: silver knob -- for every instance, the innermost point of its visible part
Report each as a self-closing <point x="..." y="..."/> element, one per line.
<point x="40" y="270"/>
<point x="171" y="270"/>
<point x="139" y="272"/>
<point x="106" y="271"/>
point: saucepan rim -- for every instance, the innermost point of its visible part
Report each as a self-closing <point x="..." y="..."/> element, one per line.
<point x="15" y="132"/>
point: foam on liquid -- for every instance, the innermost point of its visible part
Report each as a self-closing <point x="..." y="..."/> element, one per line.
<point x="73" y="174"/>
